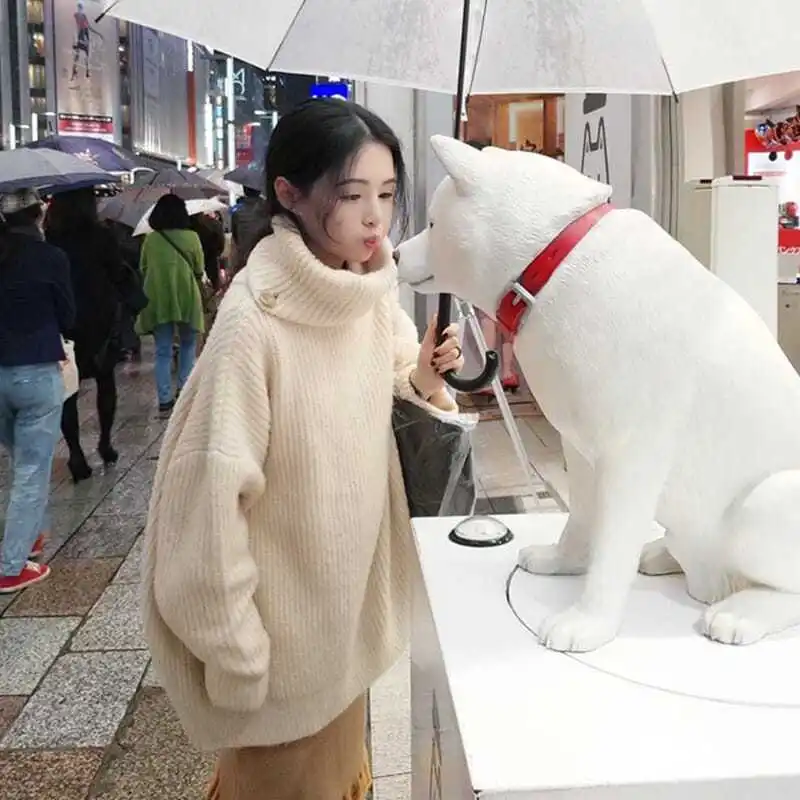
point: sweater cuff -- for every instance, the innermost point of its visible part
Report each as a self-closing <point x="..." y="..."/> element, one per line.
<point x="402" y="385"/>
<point x="235" y="692"/>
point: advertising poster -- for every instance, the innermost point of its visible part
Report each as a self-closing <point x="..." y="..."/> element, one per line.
<point x="783" y="165"/>
<point x="87" y="68"/>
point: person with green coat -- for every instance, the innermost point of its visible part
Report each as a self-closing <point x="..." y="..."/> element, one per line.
<point x="173" y="266"/>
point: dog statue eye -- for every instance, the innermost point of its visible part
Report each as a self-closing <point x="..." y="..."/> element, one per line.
<point x="430" y="225"/>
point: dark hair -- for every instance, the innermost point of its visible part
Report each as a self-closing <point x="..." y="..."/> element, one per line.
<point x="70" y="212"/>
<point x="170" y="214"/>
<point x="319" y="138"/>
<point x="9" y="240"/>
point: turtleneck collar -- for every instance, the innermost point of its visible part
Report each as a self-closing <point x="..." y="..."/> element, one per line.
<point x="288" y="281"/>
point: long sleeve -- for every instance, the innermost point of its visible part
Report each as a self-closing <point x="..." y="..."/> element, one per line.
<point x="63" y="297"/>
<point x="406" y="351"/>
<point x="205" y="577"/>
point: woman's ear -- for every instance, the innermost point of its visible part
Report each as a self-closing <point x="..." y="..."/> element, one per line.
<point x="287" y="195"/>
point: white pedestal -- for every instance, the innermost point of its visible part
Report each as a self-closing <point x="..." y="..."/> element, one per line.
<point x="499" y="717"/>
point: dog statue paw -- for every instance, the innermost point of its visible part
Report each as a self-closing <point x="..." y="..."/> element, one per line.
<point x="577" y="631"/>
<point x="550" y="559"/>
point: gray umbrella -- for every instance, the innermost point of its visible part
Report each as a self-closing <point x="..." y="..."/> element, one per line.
<point x="176" y="180"/>
<point x="48" y="170"/>
<point x="129" y="206"/>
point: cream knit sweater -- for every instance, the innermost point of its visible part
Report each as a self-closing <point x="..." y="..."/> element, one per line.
<point x="276" y="565"/>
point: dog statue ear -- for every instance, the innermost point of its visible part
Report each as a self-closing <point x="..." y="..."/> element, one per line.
<point x="462" y="162"/>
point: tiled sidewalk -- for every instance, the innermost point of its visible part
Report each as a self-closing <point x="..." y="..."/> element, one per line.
<point x="81" y="715"/>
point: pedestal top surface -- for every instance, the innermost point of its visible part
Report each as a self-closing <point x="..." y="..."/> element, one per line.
<point x="661" y="706"/>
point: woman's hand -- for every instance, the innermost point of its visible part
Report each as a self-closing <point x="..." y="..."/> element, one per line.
<point x="434" y="361"/>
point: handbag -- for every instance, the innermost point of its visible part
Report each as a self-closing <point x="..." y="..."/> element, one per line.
<point x="435" y="450"/>
<point x="69" y="369"/>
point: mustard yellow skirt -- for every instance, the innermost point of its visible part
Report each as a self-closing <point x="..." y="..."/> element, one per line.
<point x="330" y="765"/>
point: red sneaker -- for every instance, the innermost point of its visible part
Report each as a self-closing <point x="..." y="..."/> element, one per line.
<point x="32" y="573"/>
<point x="38" y="547"/>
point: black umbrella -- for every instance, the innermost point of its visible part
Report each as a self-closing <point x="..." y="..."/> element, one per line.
<point x="250" y="176"/>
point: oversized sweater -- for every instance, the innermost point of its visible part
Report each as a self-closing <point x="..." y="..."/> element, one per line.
<point x="276" y="565"/>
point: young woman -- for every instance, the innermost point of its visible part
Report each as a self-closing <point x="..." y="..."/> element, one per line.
<point x="173" y="265"/>
<point x="36" y="307"/>
<point x="98" y="279"/>
<point x="276" y="571"/>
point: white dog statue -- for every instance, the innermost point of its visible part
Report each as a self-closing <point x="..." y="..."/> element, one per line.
<point x="672" y="398"/>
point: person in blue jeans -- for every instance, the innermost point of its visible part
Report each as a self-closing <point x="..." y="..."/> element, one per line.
<point x="36" y="307"/>
<point x="173" y="268"/>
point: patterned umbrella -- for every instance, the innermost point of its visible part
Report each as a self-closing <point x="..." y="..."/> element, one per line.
<point x="103" y="154"/>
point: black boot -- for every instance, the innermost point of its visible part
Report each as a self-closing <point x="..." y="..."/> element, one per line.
<point x="109" y="455"/>
<point x="79" y="467"/>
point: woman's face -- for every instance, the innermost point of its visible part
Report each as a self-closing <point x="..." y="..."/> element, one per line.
<point x="351" y="225"/>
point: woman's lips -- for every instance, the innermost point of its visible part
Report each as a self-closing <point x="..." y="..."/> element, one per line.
<point x="373" y="243"/>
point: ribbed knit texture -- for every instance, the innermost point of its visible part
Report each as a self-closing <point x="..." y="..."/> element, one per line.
<point x="276" y="566"/>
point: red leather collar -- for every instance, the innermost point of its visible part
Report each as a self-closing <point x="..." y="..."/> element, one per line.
<point x="513" y="306"/>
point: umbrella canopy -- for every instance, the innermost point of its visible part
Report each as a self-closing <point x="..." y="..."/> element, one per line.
<point x="129" y="206"/>
<point x="627" y="46"/>
<point x="103" y="154"/>
<point x="251" y="176"/>
<point x="217" y="177"/>
<point x="48" y="170"/>
<point x="203" y="206"/>
<point x="178" y="181"/>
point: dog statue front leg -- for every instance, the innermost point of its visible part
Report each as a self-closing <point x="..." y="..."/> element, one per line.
<point x="570" y="555"/>
<point x="626" y="495"/>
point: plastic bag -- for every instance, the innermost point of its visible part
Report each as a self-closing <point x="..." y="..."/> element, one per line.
<point x="69" y="369"/>
<point x="436" y="457"/>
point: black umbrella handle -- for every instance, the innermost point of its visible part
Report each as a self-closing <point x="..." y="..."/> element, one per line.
<point x="490" y="368"/>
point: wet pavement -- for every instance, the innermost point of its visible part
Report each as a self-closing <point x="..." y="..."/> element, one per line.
<point x="81" y="714"/>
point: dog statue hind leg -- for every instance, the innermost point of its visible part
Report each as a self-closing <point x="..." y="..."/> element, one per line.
<point x="763" y="549"/>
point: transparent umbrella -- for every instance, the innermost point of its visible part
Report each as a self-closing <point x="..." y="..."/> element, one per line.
<point x="629" y="46"/>
<point x="465" y="47"/>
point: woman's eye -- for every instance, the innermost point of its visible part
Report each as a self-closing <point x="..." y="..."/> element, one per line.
<point x="387" y="196"/>
<point x="351" y="197"/>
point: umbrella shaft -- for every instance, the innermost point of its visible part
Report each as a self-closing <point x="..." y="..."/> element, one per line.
<point x="100" y="17"/>
<point x="462" y="69"/>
